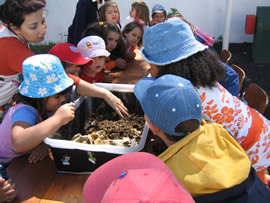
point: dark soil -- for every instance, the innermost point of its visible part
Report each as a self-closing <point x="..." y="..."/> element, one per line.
<point x="114" y="126"/>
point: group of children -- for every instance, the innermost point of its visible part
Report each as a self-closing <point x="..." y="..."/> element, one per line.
<point x="215" y="143"/>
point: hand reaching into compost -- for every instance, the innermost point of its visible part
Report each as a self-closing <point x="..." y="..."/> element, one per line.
<point x="116" y="104"/>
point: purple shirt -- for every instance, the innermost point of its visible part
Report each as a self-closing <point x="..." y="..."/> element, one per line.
<point x="19" y="112"/>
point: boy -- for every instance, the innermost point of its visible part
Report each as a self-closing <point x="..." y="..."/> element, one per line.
<point x="203" y="156"/>
<point x="70" y="56"/>
<point x="94" y="47"/>
<point x="159" y="14"/>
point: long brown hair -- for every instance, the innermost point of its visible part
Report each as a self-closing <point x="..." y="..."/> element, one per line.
<point x="142" y="11"/>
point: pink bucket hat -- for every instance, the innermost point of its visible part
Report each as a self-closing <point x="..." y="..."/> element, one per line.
<point x="134" y="177"/>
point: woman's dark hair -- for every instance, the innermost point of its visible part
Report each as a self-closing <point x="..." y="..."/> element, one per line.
<point x="38" y="103"/>
<point x="95" y="29"/>
<point x="120" y="49"/>
<point x="14" y="11"/>
<point x="202" y="69"/>
<point x="129" y="27"/>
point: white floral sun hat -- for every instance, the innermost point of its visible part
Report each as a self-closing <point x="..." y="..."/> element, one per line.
<point x="43" y="76"/>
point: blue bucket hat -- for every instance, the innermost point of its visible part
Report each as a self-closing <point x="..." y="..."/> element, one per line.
<point x="169" y="42"/>
<point x="168" y="101"/>
<point x="43" y="76"/>
<point x="158" y="9"/>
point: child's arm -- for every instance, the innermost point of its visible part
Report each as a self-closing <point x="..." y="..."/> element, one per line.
<point x="90" y="90"/>
<point x="26" y="137"/>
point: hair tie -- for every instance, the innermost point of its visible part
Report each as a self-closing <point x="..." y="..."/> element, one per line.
<point x="139" y="21"/>
<point x="100" y="23"/>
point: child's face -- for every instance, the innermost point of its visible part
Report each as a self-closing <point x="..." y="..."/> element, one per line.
<point x="112" y="40"/>
<point x="132" y="12"/>
<point x="133" y="37"/>
<point x="159" y="17"/>
<point x="112" y="14"/>
<point x="73" y="69"/>
<point x="54" y="102"/>
<point x="95" y="66"/>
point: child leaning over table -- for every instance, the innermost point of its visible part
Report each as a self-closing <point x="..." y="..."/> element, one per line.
<point x="203" y="156"/>
<point x="93" y="71"/>
<point x="70" y="57"/>
<point x="26" y="123"/>
<point x="132" y="36"/>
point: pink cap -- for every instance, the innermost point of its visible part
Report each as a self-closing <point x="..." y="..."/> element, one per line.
<point x="139" y="177"/>
<point x="69" y="53"/>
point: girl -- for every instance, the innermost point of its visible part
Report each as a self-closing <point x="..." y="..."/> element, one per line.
<point x="26" y="123"/>
<point x="109" y="11"/>
<point x="132" y="35"/>
<point x="93" y="47"/>
<point x="188" y="58"/>
<point x="139" y="12"/>
<point x="23" y="22"/>
<point x="115" y="45"/>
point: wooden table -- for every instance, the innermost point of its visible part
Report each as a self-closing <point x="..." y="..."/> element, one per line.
<point x="41" y="182"/>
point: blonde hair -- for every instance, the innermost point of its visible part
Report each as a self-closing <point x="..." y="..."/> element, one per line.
<point x="142" y="11"/>
<point x="103" y="8"/>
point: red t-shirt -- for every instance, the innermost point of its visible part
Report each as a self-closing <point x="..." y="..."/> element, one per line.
<point x="99" y="77"/>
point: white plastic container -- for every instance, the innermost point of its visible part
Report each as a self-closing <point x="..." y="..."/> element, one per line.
<point x="73" y="157"/>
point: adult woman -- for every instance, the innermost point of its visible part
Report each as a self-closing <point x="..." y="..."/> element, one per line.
<point x="24" y="22"/>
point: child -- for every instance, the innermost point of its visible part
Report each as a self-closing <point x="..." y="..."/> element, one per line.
<point x="136" y="177"/>
<point x="70" y="56"/>
<point x="190" y="59"/>
<point x="26" y="123"/>
<point x="115" y="46"/>
<point x="93" y="47"/>
<point x="139" y="12"/>
<point x="109" y="12"/>
<point x="159" y="14"/>
<point x="132" y="35"/>
<point x="203" y="156"/>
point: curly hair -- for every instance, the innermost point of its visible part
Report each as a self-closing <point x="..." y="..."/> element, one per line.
<point x="202" y="69"/>
<point x="14" y="11"/>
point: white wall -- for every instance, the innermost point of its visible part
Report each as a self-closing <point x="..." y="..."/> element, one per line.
<point x="209" y="15"/>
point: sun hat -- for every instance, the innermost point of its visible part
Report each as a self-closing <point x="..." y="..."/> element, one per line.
<point x="92" y="46"/>
<point x="169" y="42"/>
<point x="168" y="101"/>
<point x="69" y="53"/>
<point x="158" y="9"/>
<point x="43" y="76"/>
<point x="134" y="177"/>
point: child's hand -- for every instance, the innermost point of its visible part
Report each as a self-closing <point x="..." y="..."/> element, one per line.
<point x="65" y="113"/>
<point x="131" y="55"/>
<point x="39" y="153"/>
<point x="120" y="63"/>
<point x="8" y="188"/>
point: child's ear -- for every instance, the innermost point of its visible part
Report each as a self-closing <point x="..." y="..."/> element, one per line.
<point x="153" y="127"/>
<point x="15" y="29"/>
